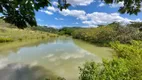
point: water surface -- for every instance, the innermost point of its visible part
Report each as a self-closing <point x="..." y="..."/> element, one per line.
<point x="61" y="57"/>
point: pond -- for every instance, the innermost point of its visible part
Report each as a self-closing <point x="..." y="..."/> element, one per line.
<point x="57" y="57"/>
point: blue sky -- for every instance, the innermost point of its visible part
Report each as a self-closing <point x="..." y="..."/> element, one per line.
<point x="85" y="13"/>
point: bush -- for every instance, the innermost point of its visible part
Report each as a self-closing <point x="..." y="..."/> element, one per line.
<point x="67" y="30"/>
<point x="100" y="35"/>
<point x="3" y="39"/>
<point x="128" y="51"/>
<point x="126" y="34"/>
<point x="128" y="65"/>
<point x="110" y="33"/>
<point x="113" y="70"/>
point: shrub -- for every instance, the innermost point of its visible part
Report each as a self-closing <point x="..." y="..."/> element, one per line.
<point x="100" y="35"/>
<point x="129" y="51"/>
<point x="110" y="33"/>
<point x="4" y="39"/>
<point x="67" y="30"/>
<point x="126" y="34"/>
<point x="109" y="70"/>
<point x="128" y="65"/>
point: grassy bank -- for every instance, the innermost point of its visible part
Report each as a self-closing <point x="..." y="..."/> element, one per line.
<point x="14" y="37"/>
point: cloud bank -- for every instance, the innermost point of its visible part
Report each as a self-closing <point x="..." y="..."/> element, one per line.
<point x="90" y="19"/>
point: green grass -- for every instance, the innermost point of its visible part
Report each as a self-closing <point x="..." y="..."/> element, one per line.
<point x="4" y="39"/>
<point x="14" y="37"/>
<point x="26" y="34"/>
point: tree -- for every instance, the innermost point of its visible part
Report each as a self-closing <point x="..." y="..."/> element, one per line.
<point x="135" y="24"/>
<point x="130" y="6"/>
<point x="22" y="12"/>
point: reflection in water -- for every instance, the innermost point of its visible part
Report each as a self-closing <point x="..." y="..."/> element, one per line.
<point x="15" y="50"/>
<point x="62" y="56"/>
<point x="102" y="52"/>
<point x="23" y="72"/>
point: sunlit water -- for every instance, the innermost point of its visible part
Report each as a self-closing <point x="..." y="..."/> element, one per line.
<point x="60" y="57"/>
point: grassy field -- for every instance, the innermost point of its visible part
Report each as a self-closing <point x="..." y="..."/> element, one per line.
<point x="11" y="37"/>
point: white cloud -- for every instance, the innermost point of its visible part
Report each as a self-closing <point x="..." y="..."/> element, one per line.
<point x="92" y="19"/>
<point x="54" y="26"/>
<point x="96" y="18"/>
<point x="137" y="20"/>
<point x="55" y="3"/>
<point x="80" y="2"/>
<point x="114" y="5"/>
<point x="51" y="8"/>
<point x="47" y="12"/>
<point x="76" y="23"/>
<point x="59" y="19"/>
<point x="79" y="14"/>
<point x="76" y="2"/>
<point x="39" y="20"/>
<point x="101" y="4"/>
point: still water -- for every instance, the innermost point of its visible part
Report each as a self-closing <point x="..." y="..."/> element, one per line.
<point x="57" y="57"/>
